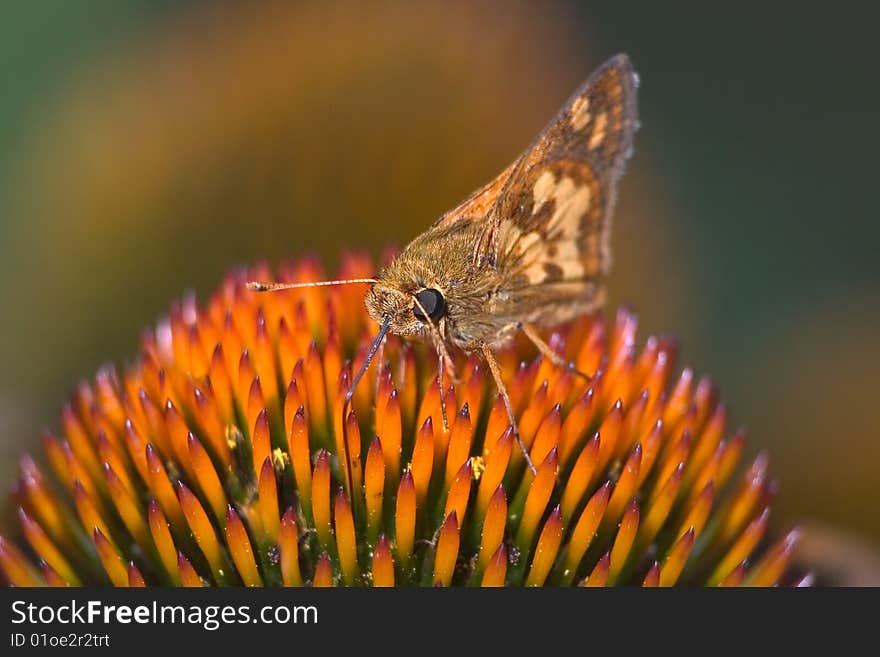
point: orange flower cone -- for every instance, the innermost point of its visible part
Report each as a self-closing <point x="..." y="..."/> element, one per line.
<point x="222" y="457"/>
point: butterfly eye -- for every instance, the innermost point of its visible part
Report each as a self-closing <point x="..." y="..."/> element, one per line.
<point x="433" y="303"/>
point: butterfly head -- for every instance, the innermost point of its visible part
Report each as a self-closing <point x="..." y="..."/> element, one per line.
<point x="411" y="309"/>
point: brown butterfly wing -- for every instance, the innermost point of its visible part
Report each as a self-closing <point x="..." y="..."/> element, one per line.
<point x="477" y="206"/>
<point x="551" y="222"/>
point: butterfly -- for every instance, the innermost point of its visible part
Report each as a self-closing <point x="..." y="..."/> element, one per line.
<point x="528" y="250"/>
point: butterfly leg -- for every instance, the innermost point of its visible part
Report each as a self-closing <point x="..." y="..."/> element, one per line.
<point x="502" y="390"/>
<point x="444" y="365"/>
<point x="449" y="366"/>
<point x="441" y="366"/>
<point x="552" y="356"/>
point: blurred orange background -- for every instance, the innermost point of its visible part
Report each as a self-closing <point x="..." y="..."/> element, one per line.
<point x="149" y="147"/>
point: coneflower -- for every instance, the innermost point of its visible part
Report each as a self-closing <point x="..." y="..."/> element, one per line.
<point x="223" y="457"/>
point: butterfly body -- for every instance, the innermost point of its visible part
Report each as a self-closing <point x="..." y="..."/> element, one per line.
<point x="483" y="304"/>
<point x="439" y="259"/>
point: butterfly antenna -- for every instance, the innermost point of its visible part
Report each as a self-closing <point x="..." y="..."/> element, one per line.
<point x="258" y="286"/>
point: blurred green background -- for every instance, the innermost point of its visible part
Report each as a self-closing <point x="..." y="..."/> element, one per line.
<point x="146" y="147"/>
